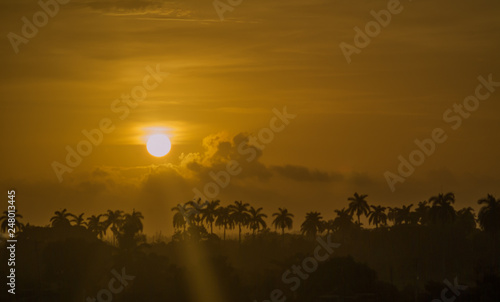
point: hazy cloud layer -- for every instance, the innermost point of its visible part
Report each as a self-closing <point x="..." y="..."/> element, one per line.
<point x="299" y="173"/>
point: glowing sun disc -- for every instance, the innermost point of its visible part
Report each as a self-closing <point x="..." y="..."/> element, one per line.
<point x="158" y="145"/>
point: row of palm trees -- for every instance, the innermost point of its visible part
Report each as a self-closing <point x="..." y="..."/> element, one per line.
<point x="438" y="210"/>
<point x="117" y="221"/>
<point x="237" y="215"/>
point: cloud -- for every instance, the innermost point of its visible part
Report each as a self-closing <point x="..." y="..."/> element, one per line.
<point x="221" y="148"/>
<point x="171" y="9"/>
<point x="361" y="179"/>
<point x="123" y="5"/>
<point x="300" y="173"/>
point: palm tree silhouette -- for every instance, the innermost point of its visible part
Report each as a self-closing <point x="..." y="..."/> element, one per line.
<point x="283" y="219"/>
<point x="209" y="213"/>
<point x="329" y="226"/>
<point x="179" y="219"/>
<point x="194" y="212"/>
<point x="133" y="221"/>
<point x="422" y="212"/>
<point x="129" y="226"/>
<point x="489" y="214"/>
<point x="442" y="210"/>
<point x="60" y="218"/>
<point x="312" y="225"/>
<point x="256" y="219"/>
<point x="358" y="206"/>
<point x="343" y="221"/>
<point x="78" y="220"/>
<point x="391" y="215"/>
<point x="5" y="222"/>
<point x="442" y="199"/>
<point x="95" y="225"/>
<point x="114" y="219"/>
<point x="240" y="215"/>
<point x="224" y="219"/>
<point x="403" y="215"/>
<point x="377" y="216"/>
<point x="466" y="219"/>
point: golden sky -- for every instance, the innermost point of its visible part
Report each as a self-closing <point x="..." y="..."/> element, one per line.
<point x="224" y="80"/>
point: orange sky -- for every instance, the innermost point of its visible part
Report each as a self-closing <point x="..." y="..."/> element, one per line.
<point x="224" y="80"/>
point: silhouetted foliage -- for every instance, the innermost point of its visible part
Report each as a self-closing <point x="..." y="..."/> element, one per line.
<point x="411" y="259"/>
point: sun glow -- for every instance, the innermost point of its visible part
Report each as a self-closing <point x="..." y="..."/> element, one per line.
<point x="158" y="145"/>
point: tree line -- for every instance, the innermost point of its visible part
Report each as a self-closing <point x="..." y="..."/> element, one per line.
<point x="197" y="217"/>
<point x="436" y="211"/>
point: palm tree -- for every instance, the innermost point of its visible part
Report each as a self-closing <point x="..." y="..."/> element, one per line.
<point x="209" y="213"/>
<point x="403" y="215"/>
<point x="442" y="210"/>
<point x="343" y="221"/>
<point x="95" y="225"/>
<point x="194" y="212"/>
<point x="114" y="219"/>
<point x="489" y="214"/>
<point x="466" y="219"/>
<point x="422" y="212"/>
<point x="224" y="219"/>
<point x="377" y="216"/>
<point x="129" y="226"/>
<point x="283" y="219"/>
<point x="391" y="215"/>
<point x="256" y="219"/>
<point x="312" y="224"/>
<point x="60" y="218"/>
<point x="133" y="222"/>
<point x="179" y="219"/>
<point x="358" y="206"/>
<point x="441" y="198"/>
<point x="78" y="220"/>
<point x="5" y="222"/>
<point x="240" y="215"/>
<point x="329" y="226"/>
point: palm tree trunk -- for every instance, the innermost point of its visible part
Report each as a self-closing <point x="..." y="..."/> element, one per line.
<point x="239" y="235"/>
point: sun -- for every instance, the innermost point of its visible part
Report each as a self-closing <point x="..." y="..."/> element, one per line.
<point x="158" y="145"/>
